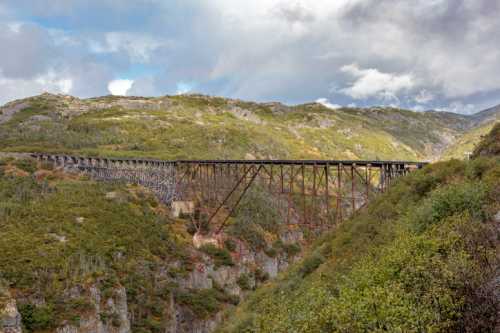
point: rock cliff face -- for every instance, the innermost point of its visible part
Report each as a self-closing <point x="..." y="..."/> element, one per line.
<point x="107" y="310"/>
<point x="106" y="315"/>
<point x="109" y="314"/>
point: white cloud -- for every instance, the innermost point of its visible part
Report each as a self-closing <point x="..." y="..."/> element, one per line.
<point x="326" y="102"/>
<point x="373" y="83"/>
<point x="184" y="88"/>
<point x="424" y="53"/>
<point x="11" y="89"/>
<point x="139" y="47"/>
<point x="120" y="87"/>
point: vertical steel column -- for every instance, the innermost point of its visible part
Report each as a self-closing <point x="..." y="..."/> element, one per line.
<point x="339" y="193"/>
<point x="353" y="166"/>
<point x="305" y="220"/>
<point x="290" y="194"/>
<point x="327" y="196"/>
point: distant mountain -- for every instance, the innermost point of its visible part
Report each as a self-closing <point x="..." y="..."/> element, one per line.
<point x="198" y="126"/>
<point x="491" y="114"/>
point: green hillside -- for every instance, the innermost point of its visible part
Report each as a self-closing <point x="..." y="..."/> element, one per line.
<point x="422" y="258"/>
<point x="465" y="144"/>
<point x="196" y="127"/>
<point x="76" y="253"/>
<point x="490" y="143"/>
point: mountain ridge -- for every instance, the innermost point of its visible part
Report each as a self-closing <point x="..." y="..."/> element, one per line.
<point x="126" y="126"/>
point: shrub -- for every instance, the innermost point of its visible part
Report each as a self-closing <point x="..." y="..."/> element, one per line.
<point x="224" y="297"/>
<point x="250" y="233"/>
<point x="292" y="249"/>
<point x="271" y="252"/>
<point x="310" y="264"/>
<point x="230" y="245"/>
<point x="221" y="257"/>
<point x="477" y="167"/>
<point x="37" y="317"/>
<point x="451" y="200"/>
<point x="260" y="275"/>
<point x="203" y="303"/>
<point x="490" y="145"/>
<point x="244" y="281"/>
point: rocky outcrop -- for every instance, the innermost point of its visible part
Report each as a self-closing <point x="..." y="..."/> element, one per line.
<point x="10" y="319"/>
<point x="108" y="315"/>
<point x="183" y="321"/>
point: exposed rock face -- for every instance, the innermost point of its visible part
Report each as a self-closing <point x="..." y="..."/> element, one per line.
<point x="198" y="278"/>
<point x="10" y="319"/>
<point x="244" y="114"/>
<point x="185" y="322"/>
<point x="92" y="322"/>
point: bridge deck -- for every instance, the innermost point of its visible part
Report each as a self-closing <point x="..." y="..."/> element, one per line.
<point x="309" y="192"/>
<point x="304" y="162"/>
<point x="373" y="163"/>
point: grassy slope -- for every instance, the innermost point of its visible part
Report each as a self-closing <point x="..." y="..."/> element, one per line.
<point x="122" y="239"/>
<point x="203" y="127"/>
<point x="62" y="232"/>
<point x="466" y="143"/>
<point x="420" y="258"/>
<point x="490" y="145"/>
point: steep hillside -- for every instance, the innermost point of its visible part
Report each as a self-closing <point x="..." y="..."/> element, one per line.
<point x="84" y="257"/>
<point x="424" y="257"/>
<point x="194" y="126"/>
<point x="490" y="144"/>
<point x="465" y="144"/>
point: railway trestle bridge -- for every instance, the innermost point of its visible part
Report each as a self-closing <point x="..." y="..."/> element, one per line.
<point x="315" y="193"/>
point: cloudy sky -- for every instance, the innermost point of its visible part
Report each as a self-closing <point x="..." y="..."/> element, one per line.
<point x="419" y="54"/>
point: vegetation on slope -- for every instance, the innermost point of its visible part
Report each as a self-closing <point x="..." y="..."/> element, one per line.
<point x="465" y="144"/>
<point x="60" y="233"/>
<point x="490" y="144"/>
<point x="211" y="127"/>
<point x="421" y="258"/>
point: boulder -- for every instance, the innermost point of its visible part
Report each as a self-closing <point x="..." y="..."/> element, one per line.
<point x="182" y="207"/>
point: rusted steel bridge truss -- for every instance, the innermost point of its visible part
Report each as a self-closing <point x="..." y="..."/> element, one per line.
<point x="316" y="193"/>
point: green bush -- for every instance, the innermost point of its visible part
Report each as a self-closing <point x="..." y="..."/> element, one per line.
<point x="310" y="264"/>
<point x="260" y="275"/>
<point x="221" y="257"/>
<point x="203" y="303"/>
<point x="251" y="233"/>
<point x="421" y="258"/>
<point x="36" y="318"/>
<point x="244" y="281"/>
<point x="292" y="249"/>
<point x="271" y="252"/>
<point x="230" y="245"/>
<point x="451" y="200"/>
